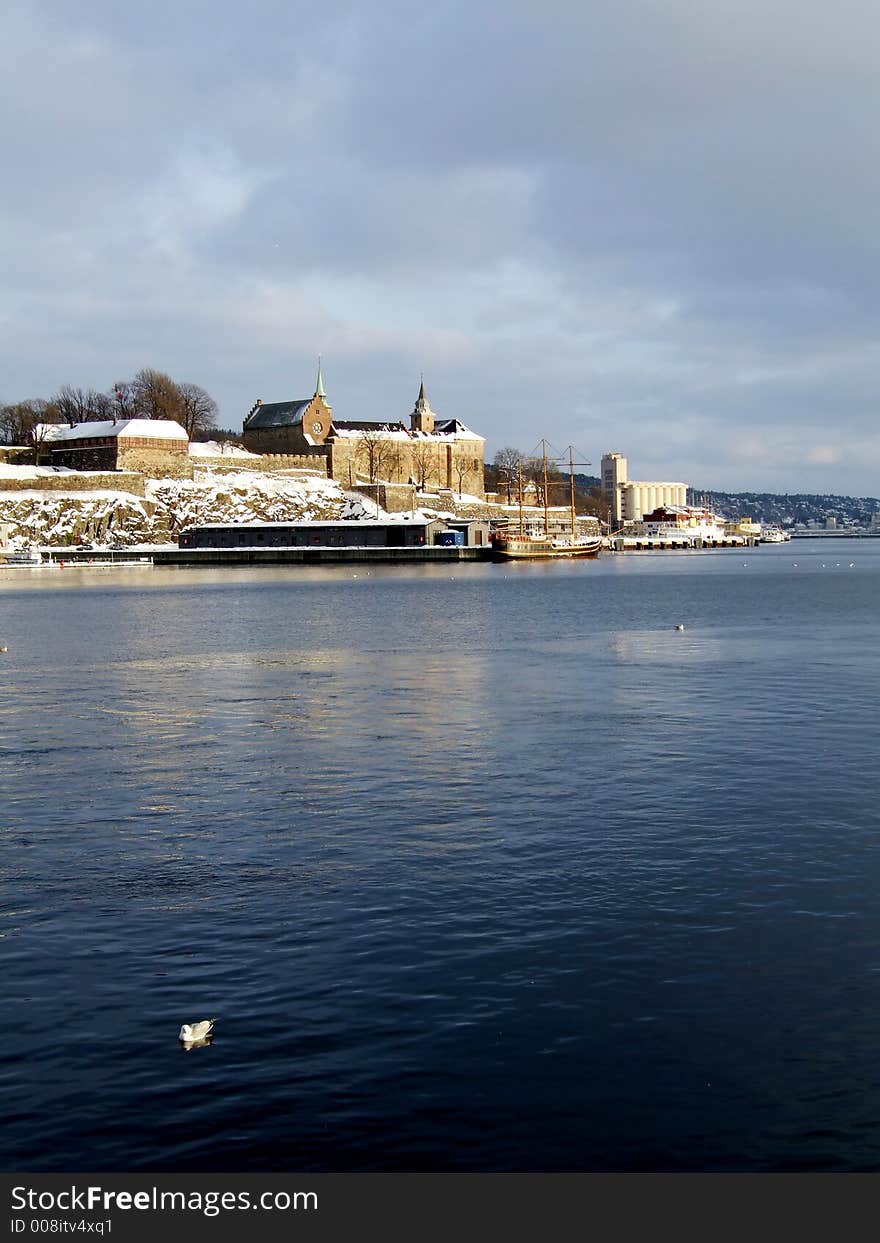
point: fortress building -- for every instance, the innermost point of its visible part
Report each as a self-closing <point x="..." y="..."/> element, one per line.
<point x="430" y="452"/>
<point x="150" y="446"/>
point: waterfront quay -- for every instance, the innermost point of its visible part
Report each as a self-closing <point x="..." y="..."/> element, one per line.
<point x="435" y="554"/>
<point x="675" y="541"/>
<point x="332" y="542"/>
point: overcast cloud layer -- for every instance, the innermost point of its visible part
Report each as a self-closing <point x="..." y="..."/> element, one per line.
<point x="620" y="224"/>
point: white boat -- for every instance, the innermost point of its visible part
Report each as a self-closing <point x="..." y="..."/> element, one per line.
<point x="773" y="535"/>
<point x="27" y="558"/>
<point x="681" y="526"/>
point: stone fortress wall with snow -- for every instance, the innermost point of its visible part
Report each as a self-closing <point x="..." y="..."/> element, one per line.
<point x="46" y="479"/>
<point x="131" y="482"/>
<point x="154" y="463"/>
<point x="401" y="498"/>
<point x="442" y="465"/>
<point x="73" y="509"/>
<point x="17" y="455"/>
<point x="262" y="462"/>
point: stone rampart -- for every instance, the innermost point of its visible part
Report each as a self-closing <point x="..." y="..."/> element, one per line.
<point x="437" y="464"/>
<point x="116" y="481"/>
<point x="155" y="463"/>
<point x="403" y="497"/>
<point x="316" y="464"/>
<point x="17" y="455"/>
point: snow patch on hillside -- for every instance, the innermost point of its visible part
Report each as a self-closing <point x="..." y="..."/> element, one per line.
<point x="213" y="448"/>
<point x="57" y="518"/>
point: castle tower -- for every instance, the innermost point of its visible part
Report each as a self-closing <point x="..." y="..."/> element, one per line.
<point x="422" y="417"/>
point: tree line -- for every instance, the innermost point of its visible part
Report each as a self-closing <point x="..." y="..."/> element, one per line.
<point x="150" y="395"/>
<point x="509" y="465"/>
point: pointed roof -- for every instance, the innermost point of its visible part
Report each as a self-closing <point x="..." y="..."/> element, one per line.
<point x="422" y="404"/>
<point x="319" y="388"/>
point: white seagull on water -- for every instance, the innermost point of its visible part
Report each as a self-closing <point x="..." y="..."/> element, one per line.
<point x="196" y="1031"/>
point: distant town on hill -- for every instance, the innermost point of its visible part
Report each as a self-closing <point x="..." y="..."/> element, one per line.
<point x="792" y="508"/>
<point x="788" y="509"/>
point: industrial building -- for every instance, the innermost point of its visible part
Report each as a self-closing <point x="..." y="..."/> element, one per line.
<point x="631" y="499"/>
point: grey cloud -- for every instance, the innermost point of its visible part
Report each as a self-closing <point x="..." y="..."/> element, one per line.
<point x="631" y="225"/>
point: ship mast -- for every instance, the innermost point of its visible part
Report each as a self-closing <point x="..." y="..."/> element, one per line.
<point x="546" y="511"/>
<point x="520" y="501"/>
<point x="571" y="492"/>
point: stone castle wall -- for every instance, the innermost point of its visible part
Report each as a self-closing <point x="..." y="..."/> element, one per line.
<point x="17" y="455"/>
<point x="317" y="464"/>
<point x="457" y="466"/>
<point x="154" y="463"/>
<point x="122" y="481"/>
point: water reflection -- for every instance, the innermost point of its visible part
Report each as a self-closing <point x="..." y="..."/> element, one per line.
<point x="438" y="837"/>
<point x="672" y="647"/>
<point x="202" y="1043"/>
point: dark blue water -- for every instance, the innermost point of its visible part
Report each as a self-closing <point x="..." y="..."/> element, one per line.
<point x="488" y="868"/>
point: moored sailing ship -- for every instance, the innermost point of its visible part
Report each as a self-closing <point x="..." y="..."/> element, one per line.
<point x="522" y="543"/>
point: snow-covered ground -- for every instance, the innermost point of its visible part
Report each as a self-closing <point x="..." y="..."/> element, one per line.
<point x="8" y="471"/>
<point x="213" y="448"/>
<point x="57" y="518"/>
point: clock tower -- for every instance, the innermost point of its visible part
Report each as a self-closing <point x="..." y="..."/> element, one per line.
<point x="318" y="414"/>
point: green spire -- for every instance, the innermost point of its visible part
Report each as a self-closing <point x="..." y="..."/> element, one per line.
<point x="319" y="390"/>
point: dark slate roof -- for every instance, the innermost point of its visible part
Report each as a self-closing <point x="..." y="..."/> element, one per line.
<point x="277" y="414"/>
<point x="448" y="427"/>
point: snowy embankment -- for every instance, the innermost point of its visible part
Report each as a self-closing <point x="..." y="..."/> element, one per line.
<point x="57" y="518"/>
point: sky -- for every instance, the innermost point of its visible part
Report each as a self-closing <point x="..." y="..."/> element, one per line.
<point x="643" y="226"/>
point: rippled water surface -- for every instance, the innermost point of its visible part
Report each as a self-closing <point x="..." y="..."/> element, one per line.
<point x="486" y="867"/>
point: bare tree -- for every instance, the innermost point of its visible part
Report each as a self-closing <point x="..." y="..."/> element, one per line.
<point x="508" y="459"/>
<point x="375" y="450"/>
<point x="199" y="410"/>
<point x="533" y="472"/>
<point x="18" y="420"/>
<point x="38" y="436"/>
<point x="505" y="469"/>
<point x="157" y="396"/>
<point x="80" y="405"/>
<point x="460" y="466"/>
<point x="422" y="460"/>
<point x="124" y="400"/>
<point x="102" y="406"/>
<point x="593" y="502"/>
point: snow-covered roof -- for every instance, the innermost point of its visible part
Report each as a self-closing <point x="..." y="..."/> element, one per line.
<point x="449" y="429"/>
<point x="140" y="429"/>
<point x="652" y="483"/>
<point x="454" y="427"/>
<point x="355" y="429"/>
<point x="314" y="524"/>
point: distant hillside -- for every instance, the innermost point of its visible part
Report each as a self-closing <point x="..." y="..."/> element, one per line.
<point x="775" y="508"/>
<point x="791" y="507"/>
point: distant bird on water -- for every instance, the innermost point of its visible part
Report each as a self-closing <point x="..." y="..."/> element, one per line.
<point x="191" y="1032"/>
<point x="679" y="626"/>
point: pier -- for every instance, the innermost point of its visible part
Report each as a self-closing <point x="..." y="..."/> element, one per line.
<point x="433" y="555"/>
<point x="647" y="543"/>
